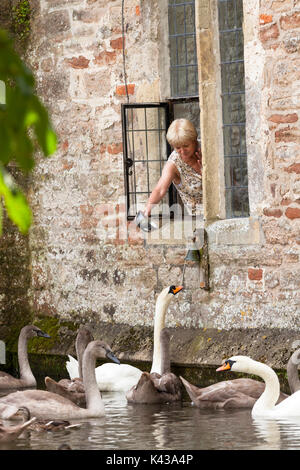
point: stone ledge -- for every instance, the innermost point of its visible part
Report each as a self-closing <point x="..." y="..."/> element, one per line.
<point x="195" y="353"/>
<point x="191" y="346"/>
<point x="243" y="231"/>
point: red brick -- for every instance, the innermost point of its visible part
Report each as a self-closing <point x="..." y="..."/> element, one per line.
<point x="66" y="165"/>
<point x="121" y="89"/>
<point x="287" y="134"/>
<point x="264" y="19"/>
<point x="273" y="189"/>
<point x="65" y="145"/>
<point x="255" y="274"/>
<point x="272" y="212"/>
<point x="89" y="222"/>
<point x="117" y="43"/>
<point x="270" y="32"/>
<point x="295" y="168"/>
<point x="292" y="213"/>
<point x="86" y="209"/>
<point x="281" y="118"/>
<point x="105" y="58"/>
<point x="290" y="21"/>
<point x="102" y="148"/>
<point x="113" y="149"/>
<point x="286" y="202"/>
<point x="78" y="62"/>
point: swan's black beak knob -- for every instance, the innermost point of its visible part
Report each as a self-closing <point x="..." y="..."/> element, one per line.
<point x="44" y="335"/>
<point x="110" y="355"/>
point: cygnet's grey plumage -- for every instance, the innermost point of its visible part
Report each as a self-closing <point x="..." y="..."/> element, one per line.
<point x="158" y="388"/>
<point x="73" y="389"/>
<point x="292" y="371"/>
<point x="27" y="378"/>
<point x="43" y="404"/>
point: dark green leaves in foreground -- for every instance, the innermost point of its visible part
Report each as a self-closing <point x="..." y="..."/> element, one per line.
<point x="24" y="128"/>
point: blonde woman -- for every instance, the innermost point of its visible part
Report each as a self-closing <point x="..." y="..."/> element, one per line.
<point x="183" y="168"/>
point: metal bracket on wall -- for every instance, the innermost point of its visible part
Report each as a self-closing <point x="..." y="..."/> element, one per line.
<point x="198" y="253"/>
<point x="204" y="264"/>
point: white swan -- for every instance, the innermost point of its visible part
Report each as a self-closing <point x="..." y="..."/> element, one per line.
<point x="265" y="406"/>
<point x="161" y="307"/>
<point x="110" y="377"/>
<point x="46" y="405"/>
<point x="160" y="386"/>
<point x="121" y="378"/>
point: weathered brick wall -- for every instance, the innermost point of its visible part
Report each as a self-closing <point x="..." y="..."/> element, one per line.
<point x="81" y="270"/>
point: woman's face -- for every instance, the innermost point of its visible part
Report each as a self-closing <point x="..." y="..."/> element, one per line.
<point x="186" y="150"/>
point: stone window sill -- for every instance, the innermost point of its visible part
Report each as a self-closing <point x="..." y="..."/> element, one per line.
<point x="244" y="231"/>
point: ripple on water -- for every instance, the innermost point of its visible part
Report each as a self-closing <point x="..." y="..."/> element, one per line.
<point x="167" y="427"/>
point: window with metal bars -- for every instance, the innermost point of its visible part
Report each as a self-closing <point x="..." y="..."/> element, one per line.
<point x="146" y="150"/>
<point x="230" y="14"/>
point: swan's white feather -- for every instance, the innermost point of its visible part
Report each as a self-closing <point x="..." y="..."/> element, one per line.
<point x="110" y="377"/>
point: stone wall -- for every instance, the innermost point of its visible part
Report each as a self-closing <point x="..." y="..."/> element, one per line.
<point x="82" y="270"/>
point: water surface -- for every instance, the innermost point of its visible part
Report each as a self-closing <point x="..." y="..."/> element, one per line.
<point x="167" y="427"/>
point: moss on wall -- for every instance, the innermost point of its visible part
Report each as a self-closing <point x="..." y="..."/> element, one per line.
<point x="21" y="13"/>
<point x="61" y="332"/>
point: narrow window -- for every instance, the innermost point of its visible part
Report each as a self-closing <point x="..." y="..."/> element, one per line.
<point x="184" y="93"/>
<point x="230" y="13"/>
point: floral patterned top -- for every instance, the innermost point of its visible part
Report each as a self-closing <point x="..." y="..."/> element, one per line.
<point x="190" y="186"/>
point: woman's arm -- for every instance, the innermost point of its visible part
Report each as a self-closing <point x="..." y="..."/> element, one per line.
<point x="169" y="173"/>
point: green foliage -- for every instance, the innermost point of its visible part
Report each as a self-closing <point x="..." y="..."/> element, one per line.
<point x="24" y="127"/>
<point x="21" y="19"/>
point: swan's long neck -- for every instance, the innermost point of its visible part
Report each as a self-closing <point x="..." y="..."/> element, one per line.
<point x="271" y="393"/>
<point x="92" y="393"/>
<point x="26" y="374"/>
<point x="165" y="356"/>
<point x="162" y="304"/>
<point x="79" y="351"/>
<point x="292" y="372"/>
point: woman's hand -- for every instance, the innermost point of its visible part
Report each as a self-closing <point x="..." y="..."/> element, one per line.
<point x="198" y="154"/>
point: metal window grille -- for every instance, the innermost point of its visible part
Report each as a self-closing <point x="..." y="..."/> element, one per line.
<point x="230" y="13"/>
<point x="145" y="152"/>
<point x="182" y="42"/>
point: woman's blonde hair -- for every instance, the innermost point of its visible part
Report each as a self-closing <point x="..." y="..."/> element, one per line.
<point x="180" y="132"/>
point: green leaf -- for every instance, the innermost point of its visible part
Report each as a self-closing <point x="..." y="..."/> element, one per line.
<point x="24" y="126"/>
<point x="15" y="202"/>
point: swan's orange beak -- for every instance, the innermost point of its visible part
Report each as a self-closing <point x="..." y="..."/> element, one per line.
<point x="177" y="289"/>
<point x="225" y="366"/>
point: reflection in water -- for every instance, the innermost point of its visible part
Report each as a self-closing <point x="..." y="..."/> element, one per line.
<point x="278" y="434"/>
<point x="167" y="427"/>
